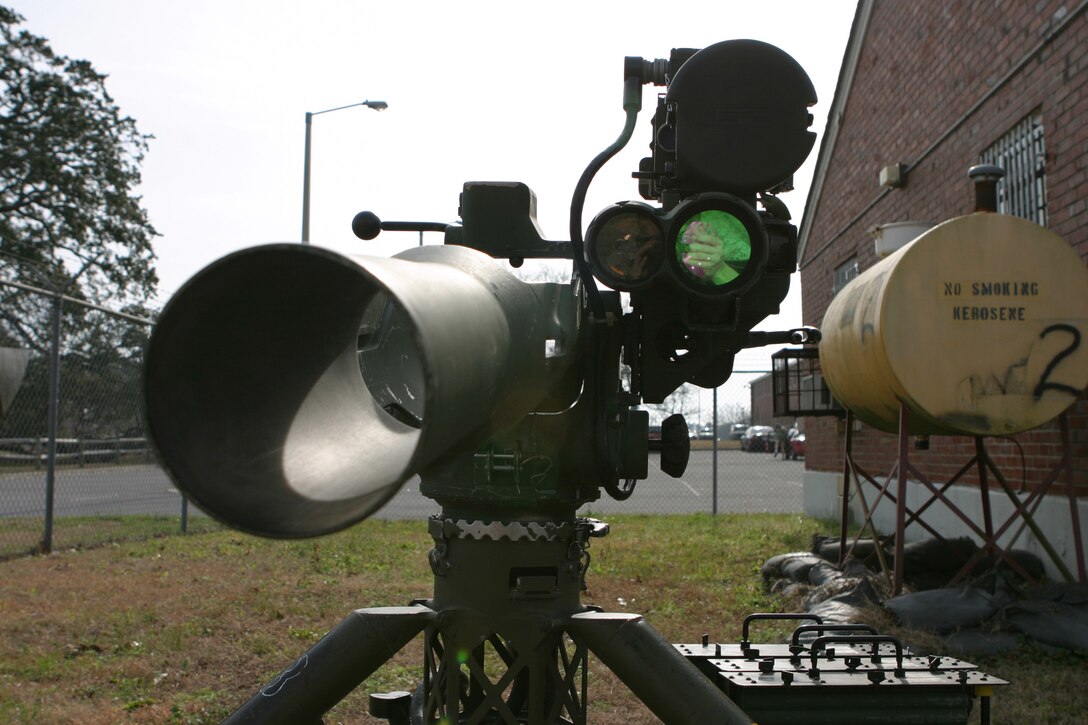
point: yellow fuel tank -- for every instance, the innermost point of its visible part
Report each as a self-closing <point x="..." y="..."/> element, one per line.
<point x="979" y="326"/>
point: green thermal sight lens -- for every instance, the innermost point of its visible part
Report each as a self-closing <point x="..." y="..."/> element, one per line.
<point x="713" y="247"/>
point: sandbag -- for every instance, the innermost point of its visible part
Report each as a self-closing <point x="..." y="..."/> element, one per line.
<point x="1028" y="561"/>
<point x="793" y="566"/>
<point x="1053" y="623"/>
<point x="826" y="573"/>
<point x="1075" y="595"/>
<point x="945" y="610"/>
<point x="935" y="555"/>
<point x="828" y="547"/>
<point x="849" y="606"/>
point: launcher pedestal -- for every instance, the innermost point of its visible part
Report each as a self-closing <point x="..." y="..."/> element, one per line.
<point x="506" y="640"/>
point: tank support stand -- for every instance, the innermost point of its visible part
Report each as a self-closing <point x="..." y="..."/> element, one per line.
<point x="1022" y="510"/>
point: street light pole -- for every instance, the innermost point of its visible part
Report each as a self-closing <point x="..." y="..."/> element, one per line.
<point x="376" y="105"/>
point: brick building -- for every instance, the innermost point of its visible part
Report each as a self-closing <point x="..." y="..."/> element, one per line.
<point x="928" y="89"/>
<point x="761" y="394"/>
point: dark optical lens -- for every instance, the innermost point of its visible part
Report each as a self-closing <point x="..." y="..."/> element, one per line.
<point x="629" y="247"/>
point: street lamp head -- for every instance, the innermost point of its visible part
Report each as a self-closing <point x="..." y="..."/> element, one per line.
<point x="376" y="105"/>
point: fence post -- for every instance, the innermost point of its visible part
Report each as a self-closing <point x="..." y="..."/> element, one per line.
<point x="714" y="460"/>
<point x="54" y="404"/>
<point x="45" y="446"/>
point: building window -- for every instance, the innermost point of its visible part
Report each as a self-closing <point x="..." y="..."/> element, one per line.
<point x="844" y="273"/>
<point x="1020" y="152"/>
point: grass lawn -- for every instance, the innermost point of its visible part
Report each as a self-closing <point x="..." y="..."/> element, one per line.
<point x="184" y="629"/>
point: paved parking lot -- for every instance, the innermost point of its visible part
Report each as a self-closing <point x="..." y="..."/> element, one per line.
<point x="747" y="483"/>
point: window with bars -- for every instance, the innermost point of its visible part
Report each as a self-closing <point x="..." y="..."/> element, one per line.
<point x="844" y="273"/>
<point x="798" y="386"/>
<point x="1021" y="153"/>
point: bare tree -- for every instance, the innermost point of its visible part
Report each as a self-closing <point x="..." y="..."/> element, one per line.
<point x="733" y="412"/>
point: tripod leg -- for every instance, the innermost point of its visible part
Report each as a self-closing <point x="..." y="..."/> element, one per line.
<point x="652" y="669"/>
<point x="332" y="668"/>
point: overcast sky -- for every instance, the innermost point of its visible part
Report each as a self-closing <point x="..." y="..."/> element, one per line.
<point x="476" y="91"/>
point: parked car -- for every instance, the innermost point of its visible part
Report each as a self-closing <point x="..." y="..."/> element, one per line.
<point x="655" y="438"/>
<point x="797" y="445"/>
<point x="705" y="432"/>
<point x="757" y="438"/>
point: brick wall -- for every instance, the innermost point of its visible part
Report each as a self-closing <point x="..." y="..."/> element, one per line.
<point x="932" y="90"/>
<point x="762" y="404"/>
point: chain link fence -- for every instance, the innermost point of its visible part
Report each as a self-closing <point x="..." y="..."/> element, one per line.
<point x="76" y="468"/>
<point x="726" y="473"/>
